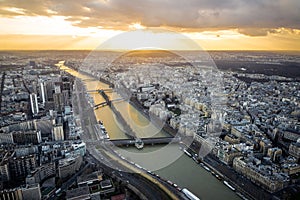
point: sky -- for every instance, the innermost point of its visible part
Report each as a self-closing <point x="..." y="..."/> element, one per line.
<point x="212" y="24"/>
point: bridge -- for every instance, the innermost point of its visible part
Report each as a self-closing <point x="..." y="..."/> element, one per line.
<point x="104" y="90"/>
<point x="106" y="98"/>
<point x="89" y="79"/>
<point x="146" y="141"/>
<point x="107" y="103"/>
<point x="131" y="142"/>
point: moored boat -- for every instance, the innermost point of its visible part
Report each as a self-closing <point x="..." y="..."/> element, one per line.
<point x="187" y="153"/>
<point x="229" y="186"/>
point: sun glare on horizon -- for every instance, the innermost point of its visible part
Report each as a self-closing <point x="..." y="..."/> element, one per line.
<point x="150" y="39"/>
<point x="136" y="26"/>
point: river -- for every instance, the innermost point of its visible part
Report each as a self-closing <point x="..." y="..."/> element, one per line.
<point x="183" y="170"/>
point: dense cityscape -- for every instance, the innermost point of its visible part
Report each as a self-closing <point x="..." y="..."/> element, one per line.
<point x="236" y="120"/>
<point x="149" y="100"/>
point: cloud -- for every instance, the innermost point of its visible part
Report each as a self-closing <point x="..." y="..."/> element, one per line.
<point x="32" y="42"/>
<point x="255" y="17"/>
<point x="255" y="31"/>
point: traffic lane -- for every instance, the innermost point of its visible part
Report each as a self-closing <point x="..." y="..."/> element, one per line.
<point x="149" y="189"/>
<point x="101" y="158"/>
<point x="146" y="187"/>
<point x="170" y="189"/>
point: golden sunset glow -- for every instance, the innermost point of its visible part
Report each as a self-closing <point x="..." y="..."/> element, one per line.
<point x="75" y="25"/>
<point x="136" y="26"/>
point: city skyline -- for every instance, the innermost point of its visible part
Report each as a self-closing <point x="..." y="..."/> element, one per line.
<point x="213" y="25"/>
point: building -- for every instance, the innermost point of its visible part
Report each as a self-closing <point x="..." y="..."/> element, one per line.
<point x="265" y="145"/>
<point x="227" y="155"/>
<point x="4" y="171"/>
<point x="292" y="136"/>
<point x="4" y="166"/>
<point x="58" y="102"/>
<point x="28" y="137"/>
<point x="42" y="93"/>
<point x="40" y="173"/>
<point x="20" y="167"/>
<point x="22" y="126"/>
<point x="57" y="87"/>
<point x="274" y="153"/>
<point x="232" y="139"/>
<point x="58" y="132"/>
<point x="11" y="194"/>
<point x="26" y="150"/>
<point x="78" y="193"/>
<point x="88" y="179"/>
<point x="294" y="150"/>
<point x="79" y="148"/>
<point x="292" y="168"/>
<point x="32" y="63"/>
<point x="69" y="166"/>
<point x="32" y="192"/>
<point x="28" y="192"/>
<point x="6" y="138"/>
<point x="34" y="104"/>
<point x="66" y="97"/>
<point x="107" y="186"/>
<point x="260" y="174"/>
<point x="49" y="90"/>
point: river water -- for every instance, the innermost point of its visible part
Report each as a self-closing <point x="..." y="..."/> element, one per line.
<point x="166" y="160"/>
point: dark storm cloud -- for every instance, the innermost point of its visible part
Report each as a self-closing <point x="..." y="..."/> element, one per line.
<point x="252" y="17"/>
